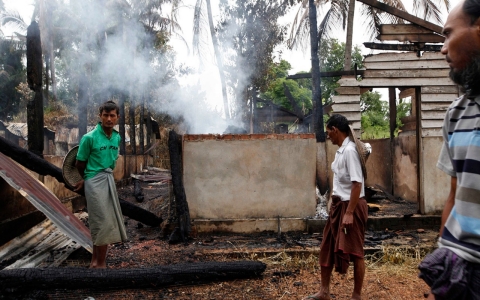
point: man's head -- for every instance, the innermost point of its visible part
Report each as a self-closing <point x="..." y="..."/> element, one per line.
<point x="337" y="129"/>
<point x="462" y="44"/>
<point x="109" y="114"/>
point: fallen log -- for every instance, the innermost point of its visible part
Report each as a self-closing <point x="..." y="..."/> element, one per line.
<point x="38" y="165"/>
<point x="17" y="281"/>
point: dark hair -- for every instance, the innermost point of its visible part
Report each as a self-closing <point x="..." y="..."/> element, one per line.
<point x="472" y="9"/>
<point x="109" y="106"/>
<point x="339" y="121"/>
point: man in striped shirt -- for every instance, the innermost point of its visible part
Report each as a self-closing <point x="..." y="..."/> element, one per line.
<point x="453" y="270"/>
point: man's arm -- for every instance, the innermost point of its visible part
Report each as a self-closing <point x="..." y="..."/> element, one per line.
<point x="450" y="203"/>
<point x="352" y="204"/>
<point x="81" y="166"/>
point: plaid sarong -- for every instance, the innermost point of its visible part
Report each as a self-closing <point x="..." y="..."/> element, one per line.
<point x="450" y="276"/>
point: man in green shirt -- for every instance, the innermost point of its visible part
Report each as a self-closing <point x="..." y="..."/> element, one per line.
<point x="96" y="159"/>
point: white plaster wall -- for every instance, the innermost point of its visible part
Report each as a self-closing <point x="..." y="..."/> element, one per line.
<point x="255" y="178"/>
<point x="436" y="183"/>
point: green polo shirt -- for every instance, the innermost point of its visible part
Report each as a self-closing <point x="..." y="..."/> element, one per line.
<point x="99" y="151"/>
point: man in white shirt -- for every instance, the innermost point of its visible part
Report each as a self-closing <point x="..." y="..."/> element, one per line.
<point x="344" y="233"/>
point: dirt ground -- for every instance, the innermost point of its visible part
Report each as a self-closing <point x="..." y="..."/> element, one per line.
<point x="292" y="261"/>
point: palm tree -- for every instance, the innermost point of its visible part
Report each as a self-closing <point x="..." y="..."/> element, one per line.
<point x="342" y="12"/>
<point x="196" y="45"/>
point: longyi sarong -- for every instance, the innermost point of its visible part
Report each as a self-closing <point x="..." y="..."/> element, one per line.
<point x="105" y="217"/>
<point x="337" y="248"/>
<point x="450" y="276"/>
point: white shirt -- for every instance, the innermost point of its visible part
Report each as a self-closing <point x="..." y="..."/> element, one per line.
<point x="346" y="168"/>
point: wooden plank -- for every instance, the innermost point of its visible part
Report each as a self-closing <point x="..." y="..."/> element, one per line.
<point x="431" y="132"/>
<point x="364" y="90"/>
<point x="407" y="93"/>
<point x="433" y="114"/>
<point x="346" y="107"/>
<point x="447" y="98"/>
<point x="404" y="15"/>
<point x="404" y="47"/>
<point x="348" y="90"/>
<point x="408" y="64"/>
<point x="357" y="125"/>
<point x="402" y="29"/>
<point x="453" y="89"/>
<point x="387" y="82"/>
<point x="346" y="98"/>
<point x="404" y="56"/>
<point x="425" y="106"/>
<point x="432" y="123"/>
<point x="351" y="116"/>
<point x="413" y="38"/>
<point x="407" y="73"/>
<point x="327" y="74"/>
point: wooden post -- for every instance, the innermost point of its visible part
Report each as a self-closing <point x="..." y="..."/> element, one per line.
<point x="34" y="77"/>
<point x="393" y="124"/>
<point x="418" y="133"/>
<point x="393" y="111"/>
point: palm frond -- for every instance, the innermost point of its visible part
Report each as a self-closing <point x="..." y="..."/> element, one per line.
<point x="299" y="28"/>
<point x="389" y="18"/>
<point x="324" y="27"/>
<point x="430" y="10"/>
<point x="371" y="21"/>
<point x="298" y="25"/>
<point x="13" y="20"/>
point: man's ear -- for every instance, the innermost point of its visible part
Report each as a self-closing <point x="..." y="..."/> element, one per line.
<point x="477" y="26"/>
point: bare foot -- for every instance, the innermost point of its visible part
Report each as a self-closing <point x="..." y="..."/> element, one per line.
<point x="98" y="266"/>
<point x="356" y="297"/>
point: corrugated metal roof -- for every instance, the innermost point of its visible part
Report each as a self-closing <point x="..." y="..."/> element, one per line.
<point x="45" y="201"/>
<point x="42" y="246"/>
<point x="18" y="129"/>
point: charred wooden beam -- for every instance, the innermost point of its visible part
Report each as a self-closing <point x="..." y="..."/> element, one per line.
<point x="413" y="38"/>
<point x="18" y="281"/>
<point x="38" y="165"/>
<point x="404" y="47"/>
<point x="181" y="204"/>
<point x="404" y="15"/>
<point x="34" y="78"/>
<point x="137" y="191"/>
<point x="327" y="74"/>
<point x="402" y="29"/>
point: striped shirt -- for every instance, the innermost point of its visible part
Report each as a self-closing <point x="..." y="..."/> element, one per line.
<point x="460" y="158"/>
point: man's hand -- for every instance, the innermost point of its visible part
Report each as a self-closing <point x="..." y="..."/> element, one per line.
<point x="347" y="223"/>
<point x="79" y="186"/>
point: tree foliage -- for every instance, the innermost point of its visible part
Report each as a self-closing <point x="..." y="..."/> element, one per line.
<point x="376" y="115"/>
<point x="331" y="56"/>
<point x="12" y="73"/>
<point x="248" y="33"/>
<point x="275" y="91"/>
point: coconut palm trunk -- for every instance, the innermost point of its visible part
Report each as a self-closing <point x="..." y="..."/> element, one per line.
<point x="348" y="42"/>
<point x="218" y="58"/>
<point x="316" y="91"/>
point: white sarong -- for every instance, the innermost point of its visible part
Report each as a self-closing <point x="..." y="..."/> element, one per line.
<point x="105" y="217"/>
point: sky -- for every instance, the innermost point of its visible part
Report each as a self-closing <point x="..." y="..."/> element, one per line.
<point x="300" y="59"/>
<point x="207" y="76"/>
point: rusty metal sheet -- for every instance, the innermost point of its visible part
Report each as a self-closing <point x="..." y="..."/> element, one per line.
<point x="42" y="246"/>
<point x="45" y="201"/>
